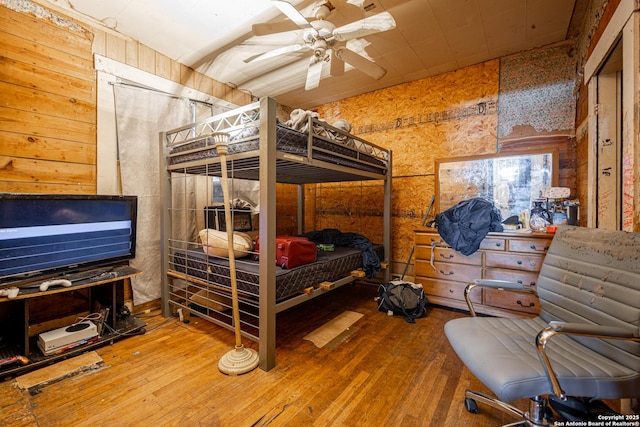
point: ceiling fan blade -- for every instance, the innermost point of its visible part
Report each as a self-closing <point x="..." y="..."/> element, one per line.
<point x="292" y="13"/>
<point x="273" y="28"/>
<point x="337" y="64"/>
<point x="276" y="52"/>
<point x="314" y="73"/>
<point x="370" y="25"/>
<point x="361" y="63"/>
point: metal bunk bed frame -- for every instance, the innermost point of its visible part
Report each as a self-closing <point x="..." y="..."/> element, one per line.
<point x="269" y="167"/>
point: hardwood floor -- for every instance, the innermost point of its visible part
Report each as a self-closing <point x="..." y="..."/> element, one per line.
<point x="383" y="372"/>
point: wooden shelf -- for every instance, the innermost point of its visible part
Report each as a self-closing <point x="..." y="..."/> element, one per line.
<point x="21" y="319"/>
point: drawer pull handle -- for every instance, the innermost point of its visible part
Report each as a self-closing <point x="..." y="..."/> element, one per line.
<point x="526" y="306"/>
<point x="519" y="281"/>
<point x="446" y="257"/>
<point x="541" y="250"/>
<point x="446" y="274"/>
<point x="498" y="244"/>
<point x="519" y="262"/>
<point x="450" y="291"/>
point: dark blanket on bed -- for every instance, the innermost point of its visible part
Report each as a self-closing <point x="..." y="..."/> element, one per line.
<point x="370" y="260"/>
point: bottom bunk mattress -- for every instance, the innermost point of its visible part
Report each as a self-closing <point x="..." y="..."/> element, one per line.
<point x="330" y="266"/>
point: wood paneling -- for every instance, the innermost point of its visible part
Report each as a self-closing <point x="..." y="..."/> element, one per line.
<point x="48" y="86"/>
<point x="48" y="131"/>
<point x="46" y="148"/>
<point x="44" y="57"/>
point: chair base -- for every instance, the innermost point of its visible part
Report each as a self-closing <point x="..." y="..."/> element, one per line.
<point x="541" y="409"/>
<point x="535" y="417"/>
<point x="580" y="409"/>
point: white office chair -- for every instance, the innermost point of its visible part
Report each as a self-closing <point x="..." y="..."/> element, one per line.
<point x="584" y="345"/>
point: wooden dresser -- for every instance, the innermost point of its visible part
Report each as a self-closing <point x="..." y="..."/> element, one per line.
<point x="444" y="272"/>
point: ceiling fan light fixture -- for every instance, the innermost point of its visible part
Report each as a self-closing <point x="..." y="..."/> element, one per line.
<point x="322" y="11"/>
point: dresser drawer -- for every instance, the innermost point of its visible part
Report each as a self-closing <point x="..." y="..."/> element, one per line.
<point x="493" y="244"/>
<point x="538" y="246"/>
<point x="514" y="257"/>
<point x="447" y="271"/>
<point x="527" y="278"/>
<point x="429" y="239"/>
<point x="526" y="303"/>
<point x="514" y="261"/>
<point x="447" y="289"/>
<point x="447" y="255"/>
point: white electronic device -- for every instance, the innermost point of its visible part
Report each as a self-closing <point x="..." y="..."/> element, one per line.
<point x="58" y="340"/>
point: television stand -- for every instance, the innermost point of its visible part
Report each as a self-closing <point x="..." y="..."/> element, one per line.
<point x="34" y="311"/>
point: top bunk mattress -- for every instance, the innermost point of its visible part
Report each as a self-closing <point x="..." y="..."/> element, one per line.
<point x="337" y="149"/>
<point x="330" y="266"/>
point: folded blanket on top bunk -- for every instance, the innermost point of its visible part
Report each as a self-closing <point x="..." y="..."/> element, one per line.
<point x="299" y="120"/>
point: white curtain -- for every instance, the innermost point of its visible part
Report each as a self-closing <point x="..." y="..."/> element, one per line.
<point x="140" y="116"/>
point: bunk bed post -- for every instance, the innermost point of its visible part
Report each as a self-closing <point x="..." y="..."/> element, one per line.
<point x="165" y="224"/>
<point x="301" y="209"/>
<point x="387" y="220"/>
<point x="267" y="222"/>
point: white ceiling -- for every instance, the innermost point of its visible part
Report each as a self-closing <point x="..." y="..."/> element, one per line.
<point x="431" y="37"/>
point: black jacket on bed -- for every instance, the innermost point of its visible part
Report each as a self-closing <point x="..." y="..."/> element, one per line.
<point x="370" y="260"/>
<point x="464" y="225"/>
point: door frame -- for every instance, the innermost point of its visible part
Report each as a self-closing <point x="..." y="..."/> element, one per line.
<point x="624" y="25"/>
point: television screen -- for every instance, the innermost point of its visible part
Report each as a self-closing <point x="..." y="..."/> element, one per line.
<point x="42" y="234"/>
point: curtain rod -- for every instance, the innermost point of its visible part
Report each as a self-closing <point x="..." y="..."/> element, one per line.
<point x="134" y="85"/>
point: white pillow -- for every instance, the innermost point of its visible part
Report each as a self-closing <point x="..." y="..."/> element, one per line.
<point x="215" y="243"/>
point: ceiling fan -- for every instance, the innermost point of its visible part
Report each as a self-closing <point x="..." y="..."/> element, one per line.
<point x="326" y="41"/>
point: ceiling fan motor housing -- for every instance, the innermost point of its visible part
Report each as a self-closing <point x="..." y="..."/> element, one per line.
<point x="319" y="48"/>
<point x="323" y="30"/>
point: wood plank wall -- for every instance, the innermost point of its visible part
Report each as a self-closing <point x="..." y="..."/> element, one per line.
<point x="48" y="109"/>
<point x="48" y="91"/>
<point x="48" y="98"/>
<point x="136" y="54"/>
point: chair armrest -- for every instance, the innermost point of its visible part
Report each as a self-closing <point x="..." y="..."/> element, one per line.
<point x="499" y="284"/>
<point x="503" y="285"/>
<point x="576" y="329"/>
<point x="597" y="331"/>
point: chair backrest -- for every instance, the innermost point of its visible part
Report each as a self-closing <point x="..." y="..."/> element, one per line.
<point x="593" y="276"/>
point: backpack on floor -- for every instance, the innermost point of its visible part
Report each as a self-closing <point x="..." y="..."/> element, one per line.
<point x="402" y="298"/>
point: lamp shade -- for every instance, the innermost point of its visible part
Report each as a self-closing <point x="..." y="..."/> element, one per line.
<point x="555" y="192"/>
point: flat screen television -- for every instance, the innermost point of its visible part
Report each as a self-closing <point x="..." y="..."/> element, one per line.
<point x="54" y="234"/>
